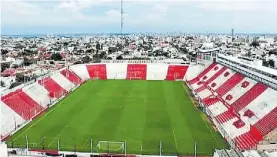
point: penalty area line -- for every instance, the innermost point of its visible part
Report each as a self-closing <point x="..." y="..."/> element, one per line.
<point x="57" y="137"/>
<point x="175" y="139"/>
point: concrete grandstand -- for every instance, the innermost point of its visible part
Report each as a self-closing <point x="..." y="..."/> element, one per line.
<point x="243" y="109"/>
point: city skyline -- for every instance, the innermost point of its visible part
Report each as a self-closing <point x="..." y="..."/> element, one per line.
<point x="103" y="16"/>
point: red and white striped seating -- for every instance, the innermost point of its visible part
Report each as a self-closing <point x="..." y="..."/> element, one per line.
<point x="54" y="89"/>
<point x="71" y="76"/>
<point x="22" y="104"/>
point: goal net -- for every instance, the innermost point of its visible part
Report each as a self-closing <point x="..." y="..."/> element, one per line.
<point x="111" y="147"/>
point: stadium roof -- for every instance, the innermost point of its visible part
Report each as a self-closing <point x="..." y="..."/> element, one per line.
<point x="258" y="67"/>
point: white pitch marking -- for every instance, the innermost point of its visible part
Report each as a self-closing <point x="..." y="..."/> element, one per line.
<point x="175" y="139"/>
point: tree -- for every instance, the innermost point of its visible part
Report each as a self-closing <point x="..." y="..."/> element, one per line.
<point x="19" y="77"/>
<point x="126" y="42"/>
<point x="4" y="66"/>
<point x="166" y="54"/>
<point x="112" y="50"/>
<point x="85" y="59"/>
<point x="102" y="54"/>
<point x="119" y="46"/>
<point x="189" y="38"/>
<point x="15" y="66"/>
<point x="248" y="54"/>
<point x="27" y="62"/>
<point x="18" y="46"/>
<point x="126" y="52"/>
<point x="80" y="51"/>
<point x="119" y="57"/>
<point x="15" y="84"/>
<point x="89" y="50"/>
<point x="98" y="47"/>
<point x="56" y="57"/>
<point x="65" y="44"/>
<point x="2" y="84"/>
<point x="271" y="63"/>
<point x="3" y="52"/>
<point x="28" y="52"/>
<point x="78" y="62"/>
<point x="274" y="51"/>
<point x="255" y="43"/>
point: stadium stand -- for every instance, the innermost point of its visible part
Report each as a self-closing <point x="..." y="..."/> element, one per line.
<point x="22" y="104"/>
<point x="247" y="153"/>
<point x="203" y="73"/>
<point x="268" y="123"/>
<point x="243" y="110"/>
<point x="38" y="93"/>
<point x="239" y="105"/>
<point x="200" y="89"/>
<point x="213" y="77"/>
<point x="229" y="84"/>
<point x="71" y="76"/>
<point x="249" y="96"/>
<point x="81" y="71"/>
<point x="9" y="120"/>
<point x="63" y="81"/>
<point x="54" y="89"/>
<point x="221" y="78"/>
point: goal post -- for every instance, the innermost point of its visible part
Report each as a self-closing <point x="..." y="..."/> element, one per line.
<point x="111" y="146"/>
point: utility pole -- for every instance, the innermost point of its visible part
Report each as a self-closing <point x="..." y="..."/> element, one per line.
<point x="122" y="18"/>
<point x="233" y="34"/>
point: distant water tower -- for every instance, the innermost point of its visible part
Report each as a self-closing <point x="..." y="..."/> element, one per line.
<point x="233" y="35"/>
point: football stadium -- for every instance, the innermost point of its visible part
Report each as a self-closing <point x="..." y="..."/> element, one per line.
<point x="139" y="114"/>
<point x="142" y="109"/>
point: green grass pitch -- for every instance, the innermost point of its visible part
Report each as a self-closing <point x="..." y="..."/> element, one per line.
<point x="145" y="114"/>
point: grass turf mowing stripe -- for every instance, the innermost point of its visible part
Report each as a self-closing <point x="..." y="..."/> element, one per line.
<point x="140" y="112"/>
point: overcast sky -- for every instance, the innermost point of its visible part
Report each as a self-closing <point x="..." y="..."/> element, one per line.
<point x="103" y="16"/>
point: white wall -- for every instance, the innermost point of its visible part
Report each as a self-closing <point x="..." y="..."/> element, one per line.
<point x="116" y="71"/>
<point x="156" y="71"/>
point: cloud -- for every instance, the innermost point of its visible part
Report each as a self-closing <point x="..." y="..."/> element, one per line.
<point x="76" y="5"/>
<point x="159" y="8"/>
<point x="186" y="15"/>
<point x="240" y="5"/>
<point x="113" y="13"/>
<point x="64" y="13"/>
<point x="19" y="8"/>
